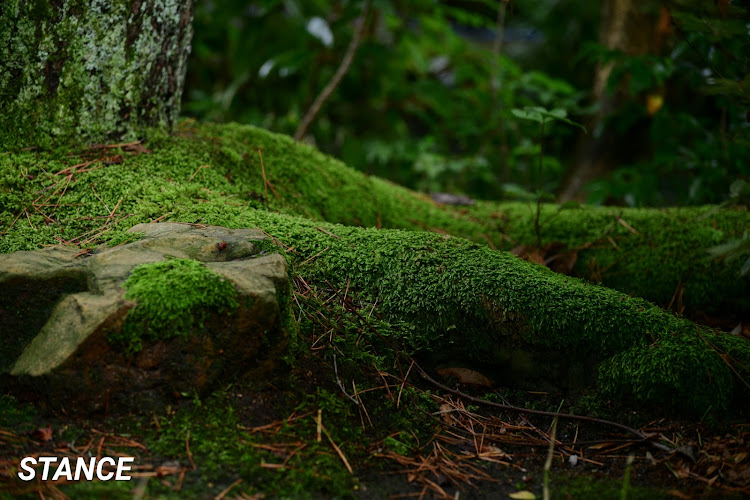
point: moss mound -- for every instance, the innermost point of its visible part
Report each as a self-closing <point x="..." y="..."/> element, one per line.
<point x="52" y="196"/>
<point x="453" y="295"/>
<point x="657" y="254"/>
<point x="173" y="297"/>
<point x="438" y="291"/>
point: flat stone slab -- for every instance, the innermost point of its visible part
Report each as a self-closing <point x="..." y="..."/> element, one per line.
<point x="60" y="311"/>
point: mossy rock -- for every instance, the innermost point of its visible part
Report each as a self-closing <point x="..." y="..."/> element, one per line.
<point x="173" y="297"/>
<point x="128" y="327"/>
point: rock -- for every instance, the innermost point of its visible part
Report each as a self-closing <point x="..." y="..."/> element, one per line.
<point x="128" y="328"/>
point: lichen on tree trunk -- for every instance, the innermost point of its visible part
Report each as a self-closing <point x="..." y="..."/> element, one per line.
<point x="75" y="71"/>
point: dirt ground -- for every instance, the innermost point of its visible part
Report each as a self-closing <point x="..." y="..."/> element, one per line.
<point x="460" y="450"/>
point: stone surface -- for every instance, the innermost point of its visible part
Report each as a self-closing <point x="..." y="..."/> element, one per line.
<point x="59" y="310"/>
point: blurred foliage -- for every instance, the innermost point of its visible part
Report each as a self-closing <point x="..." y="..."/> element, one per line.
<point x="418" y="105"/>
<point x="427" y="102"/>
<point x="699" y="126"/>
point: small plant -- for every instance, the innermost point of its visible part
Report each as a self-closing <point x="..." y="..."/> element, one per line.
<point x="734" y="249"/>
<point x="402" y="443"/>
<point x="541" y="116"/>
<point x="739" y="193"/>
<point x="624" y="492"/>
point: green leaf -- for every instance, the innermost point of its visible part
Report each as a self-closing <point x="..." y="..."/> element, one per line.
<point x="527" y="113"/>
<point x="560" y="115"/>
<point x="539" y="114"/>
<point x="557" y="113"/>
<point x="575" y="124"/>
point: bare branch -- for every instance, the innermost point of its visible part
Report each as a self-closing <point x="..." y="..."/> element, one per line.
<point x="346" y="62"/>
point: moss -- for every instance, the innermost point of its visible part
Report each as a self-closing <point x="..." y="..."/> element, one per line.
<point x="678" y="371"/>
<point x="402" y="443"/>
<point x="437" y="292"/>
<point x="585" y="488"/>
<point x="224" y="450"/>
<point x="172" y="297"/>
<point x="15" y="414"/>
<point x="123" y="239"/>
<point x="667" y="253"/>
<point x="465" y="299"/>
<point x="99" y="489"/>
<point x="265" y="246"/>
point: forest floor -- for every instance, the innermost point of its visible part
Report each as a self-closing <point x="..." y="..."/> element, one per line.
<point x="340" y="418"/>
<point x="290" y="437"/>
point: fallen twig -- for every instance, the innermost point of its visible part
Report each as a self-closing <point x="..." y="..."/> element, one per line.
<point x="515" y="409"/>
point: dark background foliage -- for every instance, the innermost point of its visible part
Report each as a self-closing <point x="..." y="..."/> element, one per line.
<point x="428" y="99"/>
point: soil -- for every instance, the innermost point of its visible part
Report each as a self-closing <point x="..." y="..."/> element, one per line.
<point x="468" y="452"/>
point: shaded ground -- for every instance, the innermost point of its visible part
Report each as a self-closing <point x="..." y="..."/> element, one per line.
<point x="262" y="440"/>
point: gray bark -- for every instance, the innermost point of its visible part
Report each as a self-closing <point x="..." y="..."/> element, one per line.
<point x="74" y="71"/>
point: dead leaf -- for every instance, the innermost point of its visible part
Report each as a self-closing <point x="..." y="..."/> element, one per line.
<point x="43" y="433"/>
<point x="528" y="253"/>
<point x="555" y="255"/>
<point x="665" y="21"/>
<point x="723" y="6"/>
<point x="679" y="494"/>
<point x="522" y="495"/>
<point x="654" y="103"/>
<point x="563" y="262"/>
<point x="136" y="148"/>
<point x="446" y="409"/>
<point x="466" y="376"/>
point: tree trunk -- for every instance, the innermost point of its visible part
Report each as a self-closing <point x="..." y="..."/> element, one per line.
<point x="631" y="27"/>
<point x="90" y="71"/>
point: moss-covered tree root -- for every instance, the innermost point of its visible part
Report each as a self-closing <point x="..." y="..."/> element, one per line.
<point x="443" y="292"/>
<point x="453" y="295"/>
<point x="651" y="253"/>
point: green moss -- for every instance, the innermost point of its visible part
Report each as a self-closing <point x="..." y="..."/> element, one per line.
<point x="402" y="443"/>
<point x="173" y="297"/>
<point x="585" y="488"/>
<point x="123" y="239"/>
<point x="458" y="297"/>
<point x="677" y="371"/>
<point x="14" y="414"/>
<point x="436" y="292"/>
<point x="98" y="489"/>
<point x="223" y="451"/>
<point x="665" y="256"/>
